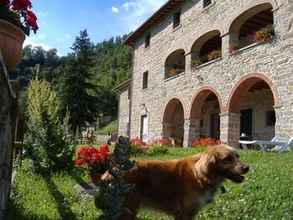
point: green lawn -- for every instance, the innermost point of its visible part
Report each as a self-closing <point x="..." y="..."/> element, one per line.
<point x="266" y="194"/>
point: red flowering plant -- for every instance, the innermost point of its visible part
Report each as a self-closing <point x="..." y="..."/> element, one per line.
<point x="138" y="146"/>
<point x="94" y="160"/>
<point x="19" y="13"/>
<point x="162" y="142"/>
<point x="204" y="142"/>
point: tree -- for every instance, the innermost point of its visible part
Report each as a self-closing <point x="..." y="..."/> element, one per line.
<point x="76" y="89"/>
<point x="46" y="136"/>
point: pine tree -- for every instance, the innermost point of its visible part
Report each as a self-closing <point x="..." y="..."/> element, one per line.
<point x="75" y="89"/>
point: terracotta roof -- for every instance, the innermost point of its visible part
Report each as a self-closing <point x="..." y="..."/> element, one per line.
<point x="154" y="19"/>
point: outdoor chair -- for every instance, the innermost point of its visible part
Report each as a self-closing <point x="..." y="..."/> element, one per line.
<point x="277" y="144"/>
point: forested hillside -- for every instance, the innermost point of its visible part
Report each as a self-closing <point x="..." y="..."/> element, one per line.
<point x="98" y="68"/>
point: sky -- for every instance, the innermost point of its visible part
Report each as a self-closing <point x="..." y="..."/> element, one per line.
<point x="60" y="21"/>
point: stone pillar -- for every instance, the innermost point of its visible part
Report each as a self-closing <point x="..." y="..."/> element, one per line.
<point x="226" y="45"/>
<point x="188" y="63"/>
<point x="230" y="128"/>
<point x="191" y="131"/>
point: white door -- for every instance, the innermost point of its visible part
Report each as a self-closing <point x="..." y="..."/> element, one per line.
<point x="144" y="128"/>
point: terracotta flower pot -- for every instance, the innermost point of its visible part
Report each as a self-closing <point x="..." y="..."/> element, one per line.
<point x="11" y="41"/>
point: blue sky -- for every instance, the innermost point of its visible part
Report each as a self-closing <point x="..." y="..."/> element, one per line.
<point x="61" y="20"/>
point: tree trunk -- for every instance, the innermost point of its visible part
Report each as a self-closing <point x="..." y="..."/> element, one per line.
<point x="7" y="115"/>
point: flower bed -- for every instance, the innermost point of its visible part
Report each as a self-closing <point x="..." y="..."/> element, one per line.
<point x="94" y="160"/>
<point x="204" y="142"/>
<point x="155" y="147"/>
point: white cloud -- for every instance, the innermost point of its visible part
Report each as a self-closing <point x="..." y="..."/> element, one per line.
<point x="137" y="11"/>
<point x="36" y="44"/>
<point x="115" y="10"/>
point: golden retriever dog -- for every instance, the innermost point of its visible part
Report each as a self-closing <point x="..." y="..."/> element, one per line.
<point x="181" y="188"/>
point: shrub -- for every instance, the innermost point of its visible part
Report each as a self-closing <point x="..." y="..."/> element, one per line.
<point x="156" y="150"/>
<point x="215" y="54"/>
<point x="204" y="142"/>
<point x="162" y="142"/>
<point x="156" y="147"/>
<point x="47" y="137"/>
<point x="265" y="34"/>
<point x="95" y="161"/>
<point x="196" y="62"/>
<point x="138" y="146"/>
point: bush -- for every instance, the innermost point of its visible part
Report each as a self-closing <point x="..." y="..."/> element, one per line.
<point x="156" y="147"/>
<point x="204" y="142"/>
<point x="138" y="147"/>
<point x="162" y="142"/>
<point x="156" y="150"/>
<point x="47" y="137"/>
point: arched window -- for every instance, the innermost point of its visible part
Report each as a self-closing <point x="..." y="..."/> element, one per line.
<point x="254" y="25"/>
<point x="207" y="48"/>
<point x="175" y="63"/>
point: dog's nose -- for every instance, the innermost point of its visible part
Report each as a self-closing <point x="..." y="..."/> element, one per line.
<point x="245" y="169"/>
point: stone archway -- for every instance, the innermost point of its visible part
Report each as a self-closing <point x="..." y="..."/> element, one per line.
<point x="244" y="29"/>
<point x="173" y="122"/>
<point x="251" y="109"/>
<point x="205" y="115"/>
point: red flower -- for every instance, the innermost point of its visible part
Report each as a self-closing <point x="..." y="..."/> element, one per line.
<point x="203" y="142"/>
<point x="137" y="142"/>
<point x="31" y="19"/>
<point x="79" y="162"/>
<point x="90" y="157"/>
<point x="21" y="5"/>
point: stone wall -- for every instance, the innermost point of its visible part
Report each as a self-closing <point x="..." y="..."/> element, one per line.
<point x="124" y="104"/>
<point x="272" y="62"/>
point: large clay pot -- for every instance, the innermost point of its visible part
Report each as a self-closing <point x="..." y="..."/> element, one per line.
<point x="11" y="41"/>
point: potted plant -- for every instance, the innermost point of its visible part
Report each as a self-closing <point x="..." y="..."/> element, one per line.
<point x="265" y="34"/>
<point x="215" y="54"/>
<point x="196" y="62"/>
<point x="16" y="20"/>
<point x="233" y="48"/>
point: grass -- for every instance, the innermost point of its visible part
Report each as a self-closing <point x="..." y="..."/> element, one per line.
<point x="109" y="128"/>
<point x="266" y="194"/>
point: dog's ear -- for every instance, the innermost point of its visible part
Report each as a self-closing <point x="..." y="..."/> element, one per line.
<point x="212" y="157"/>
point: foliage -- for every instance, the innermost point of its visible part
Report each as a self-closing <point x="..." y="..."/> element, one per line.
<point x="156" y="150"/>
<point x="110" y="128"/>
<point x="265" y="34"/>
<point x="165" y="142"/>
<point x="75" y="89"/>
<point x="196" y="62"/>
<point x="266" y="193"/>
<point x="46" y="137"/>
<point x="94" y="161"/>
<point x="19" y="13"/>
<point x="38" y="63"/>
<point x="138" y="146"/>
<point x="155" y="147"/>
<point x="215" y="54"/>
<point x="204" y="142"/>
<point x="109" y="65"/>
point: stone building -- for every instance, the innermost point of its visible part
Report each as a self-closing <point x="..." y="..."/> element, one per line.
<point x="211" y="68"/>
